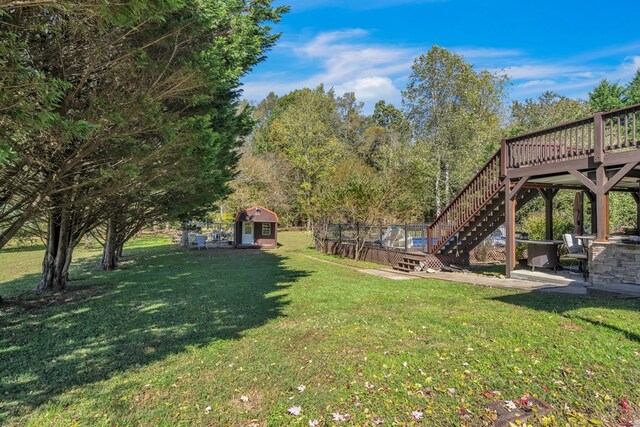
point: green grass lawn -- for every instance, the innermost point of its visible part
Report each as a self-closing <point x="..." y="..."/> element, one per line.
<point x="226" y="337"/>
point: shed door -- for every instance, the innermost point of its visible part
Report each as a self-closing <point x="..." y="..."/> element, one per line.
<point x="247" y="233"/>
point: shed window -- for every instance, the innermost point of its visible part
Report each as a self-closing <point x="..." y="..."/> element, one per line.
<point x="266" y="229"/>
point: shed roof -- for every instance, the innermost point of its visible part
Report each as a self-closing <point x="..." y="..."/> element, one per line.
<point x="257" y="214"/>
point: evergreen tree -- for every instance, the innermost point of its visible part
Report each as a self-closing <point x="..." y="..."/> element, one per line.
<point x="130" y="98"/>
<point x="632" y="90"/>
<point x="606" y="97"/>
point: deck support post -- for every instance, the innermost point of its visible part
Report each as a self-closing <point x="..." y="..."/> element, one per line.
<point x="592" y="209"/>
<point x="548" y="195"/>
<point x="510" y="224"/>
<point x="602" y="205"/>
<point x="636" y="197"/>
<point x="578" y="213"/>
<point x="598" y="143"/>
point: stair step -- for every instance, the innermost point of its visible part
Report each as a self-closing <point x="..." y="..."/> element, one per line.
<point x="413" y="257"/>
<point x="408" y="264"/>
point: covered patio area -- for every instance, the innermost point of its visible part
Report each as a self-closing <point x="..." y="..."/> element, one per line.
<point x="594" y="157"/>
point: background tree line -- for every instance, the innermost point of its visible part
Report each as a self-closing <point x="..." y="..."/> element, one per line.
<point x="315" y="157"/>
<point x="113" y="115"/>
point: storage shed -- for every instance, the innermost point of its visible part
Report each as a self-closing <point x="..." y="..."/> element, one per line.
<point x="257" y="226"/>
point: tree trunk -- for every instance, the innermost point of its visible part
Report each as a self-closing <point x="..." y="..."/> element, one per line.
<point x="184" y="241"/>
<point x="110" y="251"/>
<point x="11" y="231"/>
<point x="67" y="263"/>
<point x="447" y="182"/>
<point x="54" y="265"/>
<point x="437" y="192"/>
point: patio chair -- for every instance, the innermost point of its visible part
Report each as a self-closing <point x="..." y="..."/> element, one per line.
<point x="201" y="242"/>
<point x="576" y="252"/>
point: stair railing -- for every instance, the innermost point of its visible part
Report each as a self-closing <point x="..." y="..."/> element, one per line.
<point x="480" y="190"/>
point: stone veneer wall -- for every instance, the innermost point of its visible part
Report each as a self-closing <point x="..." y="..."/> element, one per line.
<point x="614" y="263"/>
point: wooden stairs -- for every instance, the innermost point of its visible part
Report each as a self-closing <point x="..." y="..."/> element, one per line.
<point x="476" y="212"/>
<point x="410" y="263"/>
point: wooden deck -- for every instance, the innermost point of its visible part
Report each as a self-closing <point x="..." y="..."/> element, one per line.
<point x="597" y="155"/>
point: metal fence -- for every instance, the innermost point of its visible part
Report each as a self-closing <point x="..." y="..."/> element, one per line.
<point x="406" y="238"/>
<point x="402" y="237"/>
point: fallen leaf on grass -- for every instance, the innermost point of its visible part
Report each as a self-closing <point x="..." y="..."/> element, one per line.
<point x="417" y="415"/>
<point x="624" y="404"/>
<point x="463" y="412"/>
<point x="294" y="410"/>
<point x="338" y="417"/>
<point x="509" y="405"/>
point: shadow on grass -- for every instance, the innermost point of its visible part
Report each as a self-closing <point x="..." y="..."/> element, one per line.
<point x="568" y="306"/>
<point x="26" y="248"/>
<point x="165" y="301"/>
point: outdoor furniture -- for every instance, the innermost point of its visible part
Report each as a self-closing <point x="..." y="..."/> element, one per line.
<point x="542" y="253"/>
<point x="201" y="242"/>
<point x="577" y="252"/>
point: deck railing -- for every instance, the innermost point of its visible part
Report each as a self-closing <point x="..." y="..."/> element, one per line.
<point x="621" y="129"/>
<point x="480" y="190"/>
<point x="602" y="132"/>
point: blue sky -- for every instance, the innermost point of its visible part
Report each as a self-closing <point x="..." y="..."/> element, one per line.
<point x="368" y="46"/>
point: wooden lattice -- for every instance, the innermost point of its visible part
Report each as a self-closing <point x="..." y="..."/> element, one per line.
<point x="390" y="257"/>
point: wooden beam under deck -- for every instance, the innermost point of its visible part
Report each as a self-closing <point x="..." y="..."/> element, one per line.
<point x="510" y="225"/>
<point x="583" y="164"/>
<point x="548" y="195"/>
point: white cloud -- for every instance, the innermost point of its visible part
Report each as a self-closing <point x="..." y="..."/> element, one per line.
<point x="538" y="83"/>
<point x="370" y="89"/>
<point x="537" y="71"/>
<point x="347" y="63"/>
<point x="576" y="84"/>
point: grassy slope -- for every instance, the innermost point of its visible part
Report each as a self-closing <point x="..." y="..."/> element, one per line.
<point x="174" y="332"/>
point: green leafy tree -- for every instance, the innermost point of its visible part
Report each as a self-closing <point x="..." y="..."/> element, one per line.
<point x="455" y="112"/>
<point x="304" y="129"/>
<point x="548" y="110"/>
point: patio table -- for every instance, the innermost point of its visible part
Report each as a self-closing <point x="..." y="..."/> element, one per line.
<point x="542" y="253"/>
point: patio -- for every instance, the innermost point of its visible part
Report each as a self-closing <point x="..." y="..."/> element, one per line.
<point x="595" y="157"/>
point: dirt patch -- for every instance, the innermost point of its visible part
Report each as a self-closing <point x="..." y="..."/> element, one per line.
<point x="251" y="401"/>
<point x="571" y="327"/>
<point x="34" y="301"/>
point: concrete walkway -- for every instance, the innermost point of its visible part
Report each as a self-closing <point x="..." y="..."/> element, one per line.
<point x="524" y="280"/>
<point x="502" y="283"/>
<point x="540" y="281"/>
